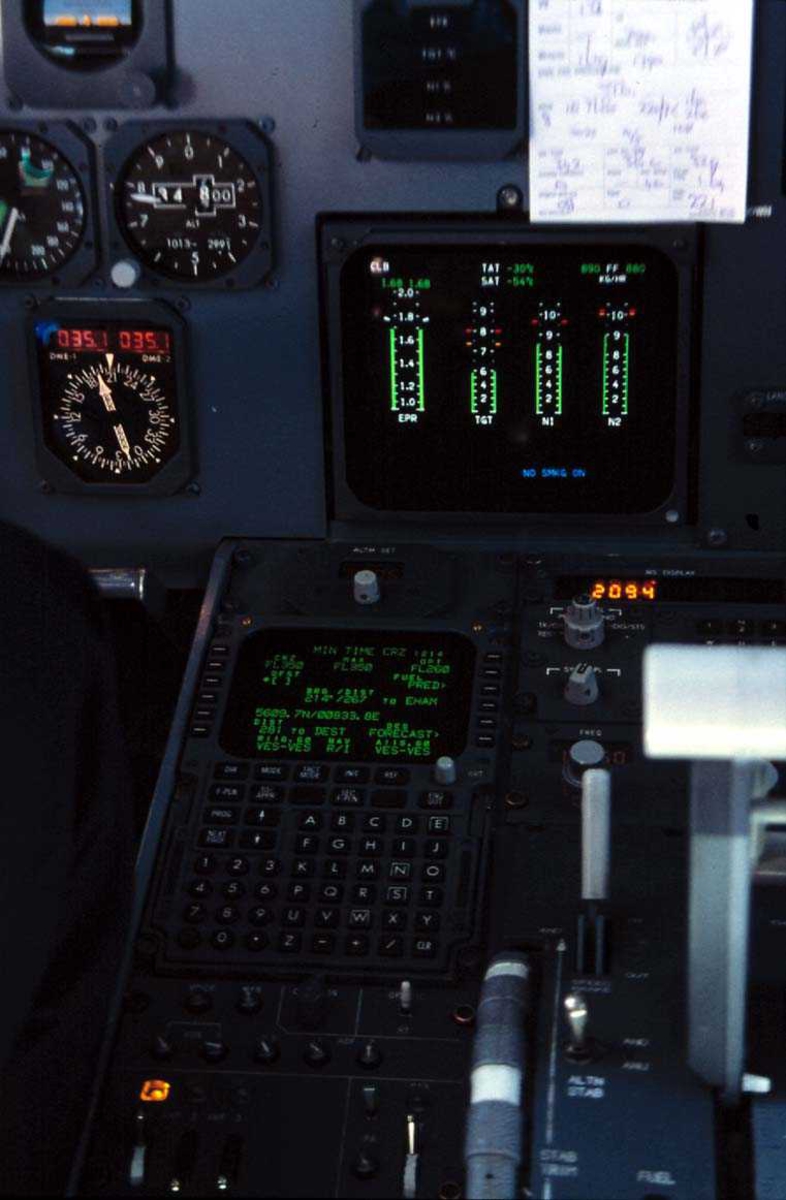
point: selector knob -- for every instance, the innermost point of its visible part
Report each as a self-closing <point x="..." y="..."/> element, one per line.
<point x="582" y="685"/>
<point x="582" y="756"/>
<point x="584" y="623"/>
<point x="365" y="587"/>
<point x="445" y="771"/>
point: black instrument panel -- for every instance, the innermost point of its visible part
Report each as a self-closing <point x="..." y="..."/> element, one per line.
<point x="476" y="370"/>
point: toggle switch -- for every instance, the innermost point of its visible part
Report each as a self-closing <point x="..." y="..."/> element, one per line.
<point x="581" y="688"/>
<point x="370" y="1055"/>
<point x="577" y="1017"/>
<point x="185" y="1158"/>
<point x="370" y="1100"/>
<point x="138" y="1165"/>
<point x="229" y="1163"/>
<point x="405" y="998"/>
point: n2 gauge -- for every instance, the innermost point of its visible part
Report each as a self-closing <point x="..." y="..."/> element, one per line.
<point x="192" y="204"/>
<point x="111" y="411"/>
<point x="45" y="218"/>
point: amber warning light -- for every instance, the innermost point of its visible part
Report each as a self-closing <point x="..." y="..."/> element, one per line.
<point x="155" y="1091"/>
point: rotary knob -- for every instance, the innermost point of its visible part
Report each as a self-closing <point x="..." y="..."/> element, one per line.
<point x="445" y="771"/>
<point x="584" y="623"/>
<point x="365" y="587"/>
<point x="582" y="686"/>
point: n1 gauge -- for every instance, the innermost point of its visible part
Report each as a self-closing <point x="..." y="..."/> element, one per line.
<point x="111" y="412"/>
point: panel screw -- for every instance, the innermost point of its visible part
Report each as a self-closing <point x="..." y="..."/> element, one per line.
<point x="267" y="124"/>
<point x="516" y="800"/>
<point x="717" y="537"/>
<point x="89" y="125"/>
<point x="242" y="557"/>
<point x="14" y="103"/>
<point x="110" y="125"/>
<point x="363" y="154"/>
<point x="45" y="488"/>
<point x="754" y="446"/>
<point x="509" y="197"/>
<point x="194" y="489"/>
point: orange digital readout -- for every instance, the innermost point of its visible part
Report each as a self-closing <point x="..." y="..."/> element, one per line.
<point x="624" y="589"/>
<point x="155" y="1091"/>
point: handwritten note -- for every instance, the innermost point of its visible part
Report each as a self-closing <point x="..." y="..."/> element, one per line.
<point x="639" y="109"/>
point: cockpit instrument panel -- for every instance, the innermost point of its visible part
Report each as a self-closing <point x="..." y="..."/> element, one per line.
<point x="193" y="204"/>
<point x="111" y="412"/>
<point x="504" y="376"/>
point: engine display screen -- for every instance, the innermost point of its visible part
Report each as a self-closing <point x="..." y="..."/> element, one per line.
<point x="497" y="378"/>
<point x="352" y="696"/>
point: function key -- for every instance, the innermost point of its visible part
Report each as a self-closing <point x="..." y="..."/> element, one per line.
<point x="489" y="689"/>
<point x="203" y="714"/>
<point x="218" y="651"/>
<point x="389" y="799"/>
<point x="487" y="723"/>
<point x="741" y="627"/>
<point x="218" y="838"/>
<point x="199" y="731"/>
<point x="205" y="864"/>
<point x="311" y="773"/>
<point x="493" y="656"/>
<point x="485" y="741"/>
<point x="220" y="816"/>
<point x="435" y="800"/>
<point x="307" y="795"/>
<point x="212" y="698"/>
<point x="488" y="706"/>
<point x="255" y="839"/>
<point x="424" y="948"/>
<point x="262" y="816"/>
<point x="271" y="772"/>
<point x="231" y="770"/>
<point x="348" y="797"/>
<point x="352" y="775"/>
<point x="773" y="629"/>
<point x="211" y="681"/>
<point x="392" y="776"/>
<point x="214" y="664"/>
<point x="227" y="793"/>
<point x="266" y="793"/>
<point x="491" y="673"/>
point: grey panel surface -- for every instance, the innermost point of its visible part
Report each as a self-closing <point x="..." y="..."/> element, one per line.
<point x="256" y="357"/>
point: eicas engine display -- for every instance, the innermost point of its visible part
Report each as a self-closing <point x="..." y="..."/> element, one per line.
<point x="496" y="378"/>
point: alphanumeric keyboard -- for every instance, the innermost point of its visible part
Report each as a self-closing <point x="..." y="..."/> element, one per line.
<point x="308" y="864"/>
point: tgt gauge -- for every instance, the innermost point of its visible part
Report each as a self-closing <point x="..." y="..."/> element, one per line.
<point x="111" y="412"/>
<point x="194" y="207"/>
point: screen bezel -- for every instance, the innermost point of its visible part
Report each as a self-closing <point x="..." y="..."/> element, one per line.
<point x="341" y="237"/>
